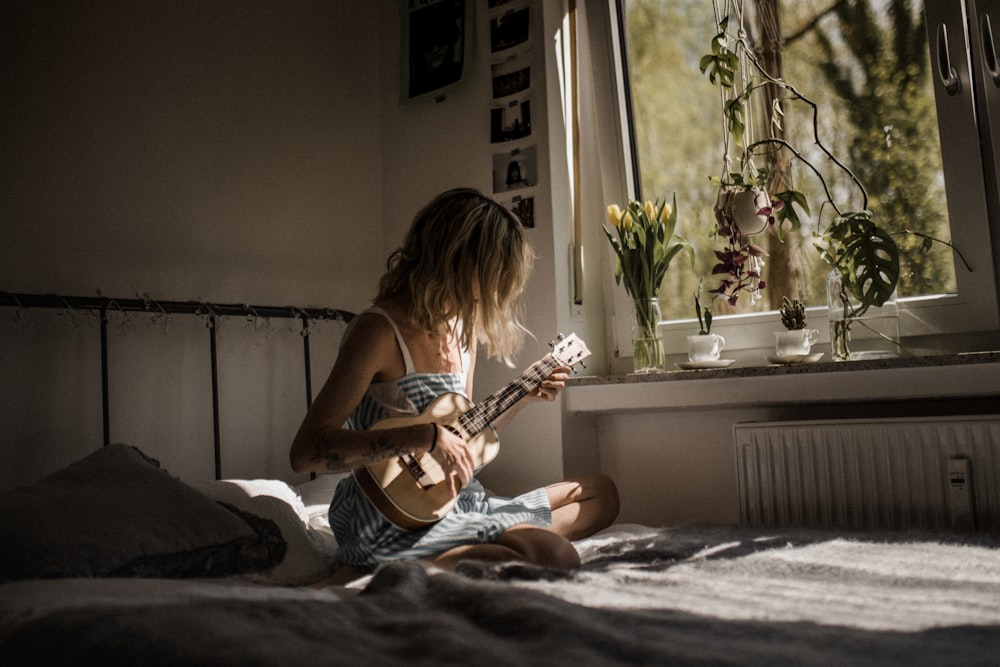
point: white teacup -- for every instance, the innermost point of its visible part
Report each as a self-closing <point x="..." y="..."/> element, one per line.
<point x="795" y="342"/>
<point x="705" y="347"/>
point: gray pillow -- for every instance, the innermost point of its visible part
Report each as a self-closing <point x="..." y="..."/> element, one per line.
<point x="117" y="513"/>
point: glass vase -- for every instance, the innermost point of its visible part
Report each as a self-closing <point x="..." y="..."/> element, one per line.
<point x="647" y="347"/>
<point x="858" y="331"/>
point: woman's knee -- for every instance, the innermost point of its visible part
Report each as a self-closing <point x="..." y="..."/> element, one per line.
<point x="607" y="491"/>
<point x="602" y="492"/>
<point x="541" y="547"/>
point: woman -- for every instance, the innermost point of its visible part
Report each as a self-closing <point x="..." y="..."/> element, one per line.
<point x="457" y="281"/>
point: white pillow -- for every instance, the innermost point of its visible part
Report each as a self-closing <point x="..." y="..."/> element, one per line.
<point x="309" y="557"/>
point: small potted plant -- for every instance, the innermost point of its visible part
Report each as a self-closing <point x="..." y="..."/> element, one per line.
<point x="705" y="346"/>
<point x="795" y="343"/>
<point x="793" y="314"/>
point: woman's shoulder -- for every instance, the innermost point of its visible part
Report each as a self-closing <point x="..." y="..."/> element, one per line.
<point x="373" y="336"/>
<point x="369" y="327"/>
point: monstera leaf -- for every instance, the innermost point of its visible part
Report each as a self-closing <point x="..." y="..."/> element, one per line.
<point x="866" y="257"/>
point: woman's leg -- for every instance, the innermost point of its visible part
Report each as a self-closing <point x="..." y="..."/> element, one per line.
<point x="526" y="543"/>
<point x="583" y="505"/>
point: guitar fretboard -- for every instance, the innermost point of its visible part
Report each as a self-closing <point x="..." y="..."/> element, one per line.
<point x="494" y="405"/>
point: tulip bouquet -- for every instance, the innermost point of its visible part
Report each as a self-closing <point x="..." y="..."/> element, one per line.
<point x="644" y="247"/>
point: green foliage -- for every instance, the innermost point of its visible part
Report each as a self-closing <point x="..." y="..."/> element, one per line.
<point x="722" y="68"/>
<point x="645" y="245"/>
<point x="892" y="117"/>
<point x="793" y="313"/>
<point x="704" y="315"/>
<point x="721" y="63"/>
<point x="865" y="254"/>
<point x="883" y="71"/>
<point x="676" y="143"/>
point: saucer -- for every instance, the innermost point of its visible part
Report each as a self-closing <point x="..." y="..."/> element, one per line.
<point x="701" y="365"/>
<point x="795" y="358"/>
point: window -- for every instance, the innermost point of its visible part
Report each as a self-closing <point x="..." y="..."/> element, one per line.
<point x="887" y="109"/>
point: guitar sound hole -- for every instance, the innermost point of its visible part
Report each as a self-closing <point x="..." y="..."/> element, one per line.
<point x="413" y="466"/>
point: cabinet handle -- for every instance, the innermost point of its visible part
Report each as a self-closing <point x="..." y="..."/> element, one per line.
<point x="989" y="49"/>
<point x="947" y="73"/>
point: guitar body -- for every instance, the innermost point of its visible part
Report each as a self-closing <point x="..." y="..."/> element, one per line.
<point x="411" y="490"/>
<point x="401" y="497"/>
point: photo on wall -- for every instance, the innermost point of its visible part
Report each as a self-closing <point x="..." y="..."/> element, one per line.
<point x="524" y="208"/>
<point x="434" y="45"/>
<point x="510" y="121"/>
<point x="522" y="205"/>
<point x="511" y="77"/>
<point x="515" y="170"/>
<point x="510" y="28"/>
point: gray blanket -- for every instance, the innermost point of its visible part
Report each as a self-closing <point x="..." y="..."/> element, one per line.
<point x="643" y="597"/>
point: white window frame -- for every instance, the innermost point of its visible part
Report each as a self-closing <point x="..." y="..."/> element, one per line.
<point x="973" y="207"/>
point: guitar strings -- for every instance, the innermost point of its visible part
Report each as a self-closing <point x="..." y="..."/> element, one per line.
<point x="476" y="419"/>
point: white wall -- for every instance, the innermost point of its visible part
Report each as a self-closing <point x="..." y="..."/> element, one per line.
<point x="191" y="150"/>
<point x="224" y="151"/>
<point x="233" y="152"/>
<point x="431" y="145"/>
<point x="678" y="467"/>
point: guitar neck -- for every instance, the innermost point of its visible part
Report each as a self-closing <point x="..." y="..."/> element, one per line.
<point x="488" y="410"/>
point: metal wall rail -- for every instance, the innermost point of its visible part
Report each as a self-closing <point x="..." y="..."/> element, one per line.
<point x="103" y="305"/>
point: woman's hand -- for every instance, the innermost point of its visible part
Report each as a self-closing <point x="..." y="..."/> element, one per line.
<point x="452" y="453"/>
<point x="552" y="385"/>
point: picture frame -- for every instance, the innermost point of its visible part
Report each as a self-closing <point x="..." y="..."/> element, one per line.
<point x="435" y="45"/>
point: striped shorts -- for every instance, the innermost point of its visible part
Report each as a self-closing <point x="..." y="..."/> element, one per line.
<point x="365" y="538"/>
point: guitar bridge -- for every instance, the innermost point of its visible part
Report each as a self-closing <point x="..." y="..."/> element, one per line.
<point x="412" y="465"/>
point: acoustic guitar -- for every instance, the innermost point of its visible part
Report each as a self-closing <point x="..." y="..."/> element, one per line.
<point x="412" y="491"/>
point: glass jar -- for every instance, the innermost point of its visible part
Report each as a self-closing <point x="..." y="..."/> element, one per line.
<point x="858" y="331"/>
<point x="647" y="346"/>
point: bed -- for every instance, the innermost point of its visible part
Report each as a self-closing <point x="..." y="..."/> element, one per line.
<point x="235" y="571"/>
<point x="112" y="559"/>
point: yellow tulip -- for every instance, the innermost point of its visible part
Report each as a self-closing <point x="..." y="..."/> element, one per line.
<point x="650" y="210"/>
<point x="627" y="221"/>
<point x="615" y="215"/>
<point x="665" y="213"/>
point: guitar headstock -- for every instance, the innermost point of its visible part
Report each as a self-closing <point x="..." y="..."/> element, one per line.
<point x="569" y="350"/>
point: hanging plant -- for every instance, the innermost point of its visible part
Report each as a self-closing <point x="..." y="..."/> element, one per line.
<point x="864" y="253"/>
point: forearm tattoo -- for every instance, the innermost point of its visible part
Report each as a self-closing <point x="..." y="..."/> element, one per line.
<point x="327" y="454"/>
<point x="377" y="446"/>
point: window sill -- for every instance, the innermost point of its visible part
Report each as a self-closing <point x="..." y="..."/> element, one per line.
<point x="964" y="375"/>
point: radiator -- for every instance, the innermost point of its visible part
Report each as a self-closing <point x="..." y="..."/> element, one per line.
<point x="922" y="473"/>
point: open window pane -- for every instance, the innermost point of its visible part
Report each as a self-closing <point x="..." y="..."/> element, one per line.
<point x="869" y="71"/>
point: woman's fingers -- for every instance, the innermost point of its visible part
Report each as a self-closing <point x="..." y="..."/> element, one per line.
<point x="551" y="386"/>
<point x="455" y="457"/>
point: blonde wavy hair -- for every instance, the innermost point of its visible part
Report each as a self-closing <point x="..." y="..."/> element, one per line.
<point x="459" y="236"/>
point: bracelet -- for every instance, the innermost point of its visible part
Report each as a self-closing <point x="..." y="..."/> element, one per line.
<point x="434" y="442"/>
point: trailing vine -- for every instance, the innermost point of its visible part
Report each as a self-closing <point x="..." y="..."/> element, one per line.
<point x="863" y="253"/>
